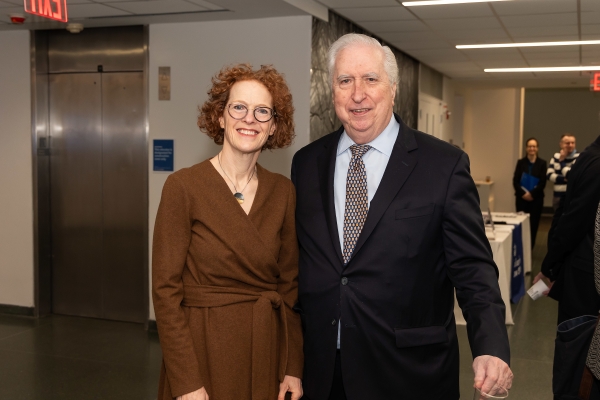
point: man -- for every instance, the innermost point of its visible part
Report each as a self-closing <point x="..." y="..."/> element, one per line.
<point x="569" y="263"/>
<point x="568" y="267"/>
<point x="388" y="225"/>
<point x="559" y="167"/>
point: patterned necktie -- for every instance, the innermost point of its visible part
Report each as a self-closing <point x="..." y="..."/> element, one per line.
<point x="357" y="199"/>
<point x="593" y="357"/>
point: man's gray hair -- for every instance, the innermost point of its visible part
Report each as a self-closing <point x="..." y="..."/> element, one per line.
<point x="389" y="60"/>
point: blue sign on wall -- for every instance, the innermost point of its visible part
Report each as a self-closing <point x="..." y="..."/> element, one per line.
<point x="163" y="155"/>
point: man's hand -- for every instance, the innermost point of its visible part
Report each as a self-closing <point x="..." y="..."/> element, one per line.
<point x="491" y="371"/>
<point x="290" y="384"/>
<point x="546" y="280"/>
<point x="199" y="394"/>
<point x="562" y="155"/>
<point x="527" y="196"/>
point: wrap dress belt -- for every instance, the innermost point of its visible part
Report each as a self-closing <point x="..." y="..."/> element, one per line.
<point x="205" y="296"/>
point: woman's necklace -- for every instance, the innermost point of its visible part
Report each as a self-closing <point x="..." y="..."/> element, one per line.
<point x="238" y="195"/>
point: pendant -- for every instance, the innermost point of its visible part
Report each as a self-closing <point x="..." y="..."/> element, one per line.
<point x="239" y="197"/>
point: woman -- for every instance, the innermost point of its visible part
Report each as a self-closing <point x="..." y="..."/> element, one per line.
<point x="224" y="267"/>
<point x="529" y="182"/>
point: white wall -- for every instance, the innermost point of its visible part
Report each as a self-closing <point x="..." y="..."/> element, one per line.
<point x="195" y="52"/>
<point x="491" y="134"/>
<point x="16" y="198"/>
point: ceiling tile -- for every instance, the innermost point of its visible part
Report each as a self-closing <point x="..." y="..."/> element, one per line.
<point x="529" y="39"/>
<point x="473" y="36"/>
<point x="14" y="2"/>
<point x="4" y="4"/>
<point x="412" y="45"/>
<point x="550" y="49"/>
<point x="358" y="3"/>
<point x="424" y="36"/>
<point x="453" y="11"/>
<point x="590" y="5"/>
<point x="590" y="31"/>
<point x="553" y="62"/>
<point x="571" y="56"/>
<point x="539" y="20"/>
<point x="543" y="31"/>
<point x="590" y="17"/>
<point x="207" y="5"/>
<point x="534" y="7"/>
<point x="456" y="66"/>
<point x="504" y="64"/>
<point x="447" y="55"/>
<point x="158" y="7"/>
<point x="93" y="10"/>
<point x="380" y="27"/>
<point x="359" y="14"/>
<point x="493" y="54"/>
<point x="463" y="23"/>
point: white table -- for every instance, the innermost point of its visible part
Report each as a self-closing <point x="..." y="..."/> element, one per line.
<point x="523" y="220"/>
<point x="502" y="251"/>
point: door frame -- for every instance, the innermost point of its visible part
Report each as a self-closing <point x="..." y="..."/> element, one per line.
<point x="40" y="145"/>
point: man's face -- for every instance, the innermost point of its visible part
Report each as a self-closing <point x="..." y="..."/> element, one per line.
<point x="567" y="144"/>
<point x="362" y="94"/>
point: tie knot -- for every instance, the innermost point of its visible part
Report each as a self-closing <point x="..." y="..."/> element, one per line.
<point x="359" y="150"/>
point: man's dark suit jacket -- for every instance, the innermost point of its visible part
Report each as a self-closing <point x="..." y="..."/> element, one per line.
<point x="423" y="236"/>
<point x="570" y="258"/>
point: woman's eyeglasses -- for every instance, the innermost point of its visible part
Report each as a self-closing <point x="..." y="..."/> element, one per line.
<point x="261" y="114"/>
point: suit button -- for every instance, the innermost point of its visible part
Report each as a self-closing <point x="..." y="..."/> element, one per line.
<point x="333" y="322"/>
<point x="344" y="281"/>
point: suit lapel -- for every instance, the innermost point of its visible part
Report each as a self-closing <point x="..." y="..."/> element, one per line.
<point x="326" y="167"/>
<point x="402" y="162"/>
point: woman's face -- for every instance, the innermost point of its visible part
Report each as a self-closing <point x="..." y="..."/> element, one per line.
<point x="532" y="148"/>
<point x="245" y="133"/>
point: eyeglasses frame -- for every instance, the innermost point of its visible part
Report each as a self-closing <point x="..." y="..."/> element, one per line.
<point x="273" y="112"/>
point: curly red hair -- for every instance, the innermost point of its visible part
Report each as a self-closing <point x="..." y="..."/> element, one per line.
<point x="218" y="95"/>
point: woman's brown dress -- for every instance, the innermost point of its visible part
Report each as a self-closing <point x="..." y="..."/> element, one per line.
<point x="223" y="286"/>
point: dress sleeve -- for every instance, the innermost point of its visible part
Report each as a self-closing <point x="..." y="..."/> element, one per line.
<point x="172" y="235"/>
<point x="287" y="286"/>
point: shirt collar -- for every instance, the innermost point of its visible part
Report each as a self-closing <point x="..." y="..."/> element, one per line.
<point x="384" y="142"/>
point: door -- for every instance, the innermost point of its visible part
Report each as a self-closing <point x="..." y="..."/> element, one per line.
<point x="97" y="178"/>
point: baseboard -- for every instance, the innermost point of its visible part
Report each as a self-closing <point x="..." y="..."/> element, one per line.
<point x="17" y="310"/>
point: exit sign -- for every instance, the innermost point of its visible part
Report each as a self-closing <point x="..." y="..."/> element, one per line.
<point x="595" y="82"/>
<point x="52" y="9"/>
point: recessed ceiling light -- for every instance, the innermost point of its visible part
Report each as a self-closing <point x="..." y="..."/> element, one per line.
<point x="438" y="2"/>
<point x="531" y="44"/>
<point x="543" y="69"/>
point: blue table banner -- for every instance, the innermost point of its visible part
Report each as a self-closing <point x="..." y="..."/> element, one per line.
<point x="517" y="284"/>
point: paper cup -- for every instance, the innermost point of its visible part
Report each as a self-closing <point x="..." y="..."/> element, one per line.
<point x="537" y="290"/>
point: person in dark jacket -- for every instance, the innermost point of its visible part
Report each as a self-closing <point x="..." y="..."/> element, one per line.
<point x="529" y="182"/>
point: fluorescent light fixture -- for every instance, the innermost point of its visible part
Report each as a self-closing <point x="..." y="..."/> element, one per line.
<point x="544" y="69"/>
<point x="438" y="2"/>
<point x="531" y="44"/>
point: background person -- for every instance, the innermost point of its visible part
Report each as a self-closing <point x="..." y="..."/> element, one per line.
<point x="224" y="261"/>
<point x="560" y="165"/>
<point x="529" y="181"/>
<point x="389" y="224"/>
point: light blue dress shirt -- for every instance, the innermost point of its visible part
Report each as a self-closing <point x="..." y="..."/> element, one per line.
<point x="375" y="160"/>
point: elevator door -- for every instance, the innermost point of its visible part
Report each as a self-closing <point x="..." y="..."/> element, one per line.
<point x="97" y="178"/>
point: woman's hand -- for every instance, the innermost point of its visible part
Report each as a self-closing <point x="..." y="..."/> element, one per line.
<point x="527" y="196"/>
<point x="290" y="384"/>
<point x="199" y="394"/>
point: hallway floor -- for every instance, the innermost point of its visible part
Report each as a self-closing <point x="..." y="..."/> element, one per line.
<point x="59" y="357"/>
